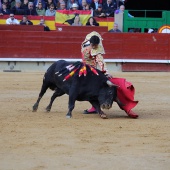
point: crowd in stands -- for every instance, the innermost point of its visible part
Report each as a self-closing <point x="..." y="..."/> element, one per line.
<point x="100" y="8"/>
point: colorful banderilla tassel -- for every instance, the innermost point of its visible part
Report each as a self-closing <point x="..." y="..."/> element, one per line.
<point x="93" y="70"/>
<point x="84" y="70"/>
<point x="70" y="75"/>
<point x="81" y="72"/>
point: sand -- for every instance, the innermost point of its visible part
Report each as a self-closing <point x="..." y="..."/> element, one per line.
<point x="49" y="141"/>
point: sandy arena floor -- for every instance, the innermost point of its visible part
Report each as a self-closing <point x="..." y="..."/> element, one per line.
<point x="48" y="141"/>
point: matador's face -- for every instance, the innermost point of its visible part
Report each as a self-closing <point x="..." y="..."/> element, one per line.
<point x="94" y="46"/>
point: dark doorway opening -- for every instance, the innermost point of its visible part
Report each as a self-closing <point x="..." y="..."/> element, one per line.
<point x="147" y="5"/>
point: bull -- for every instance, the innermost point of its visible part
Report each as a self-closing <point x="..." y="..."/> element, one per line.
<point x="96" y="89"/>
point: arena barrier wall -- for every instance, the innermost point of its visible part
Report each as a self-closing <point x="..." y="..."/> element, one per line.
<point x="124" y="51"/>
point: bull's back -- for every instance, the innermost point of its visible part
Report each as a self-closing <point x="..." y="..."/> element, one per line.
<point x="87" y="86"/>
<point x="55" y="67"/>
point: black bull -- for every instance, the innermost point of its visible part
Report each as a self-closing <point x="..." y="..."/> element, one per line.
<point x="96" y="89"/>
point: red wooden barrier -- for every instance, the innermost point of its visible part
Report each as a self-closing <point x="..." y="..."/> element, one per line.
<point x="145" y="67"/>
<point x="22" y="27"/>
<point x="64" y="44"/>
<point x="117" y="46"/>
<point x="86" y="29"/>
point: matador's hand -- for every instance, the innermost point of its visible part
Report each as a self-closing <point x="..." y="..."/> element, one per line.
<point x="108" y="75"/>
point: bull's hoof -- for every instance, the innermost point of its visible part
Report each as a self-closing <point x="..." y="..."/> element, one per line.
<point x="34" y="109"/>
<point x="103" y="116"/>
<point x="68" y="117"/>
<point x="48" y="109"/>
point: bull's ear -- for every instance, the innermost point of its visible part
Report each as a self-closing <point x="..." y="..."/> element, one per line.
<point x="110" y="84"/>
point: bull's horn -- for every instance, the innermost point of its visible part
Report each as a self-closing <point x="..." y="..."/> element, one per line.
<point x="109" y="83"/>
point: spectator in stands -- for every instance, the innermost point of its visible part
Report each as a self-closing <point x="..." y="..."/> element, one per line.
<point x="62" y="6"/>
<point x="51" y="11"/>
<point x="131" y="30"/>
<point x="70" y="3"/>
<point x="120" y="2"/>
<point x="49" y="2"/>
<point x="109" y="8"/>
<point x="24" y="5"/>
<point x="99" y="12"/>
<point x="8" y="4"/>
<point x="84" y="5"/>
<point x="74" y="7"/>
<point x="0" y="5"/>
<point x="31" y="10"/>
<point x="42" y="22"/>
<point x="35" y="3"/>
<point x="115" y="28"/>
<point x="137" y="29"/>
<point x="12" y="3"/>
<point x="11" y="20"/>
<point x="80" y="2"/>
<point x="4" y="10"/>
<point x="121" y="10"/>
<point x="40" y="10"/>
<point x="17" y="9"/>
<point x="150" y="30"/>
<point x="25" y="21"/>
<point x="94" y="4"/>
<point x="77" y="21"/>
<point x="92" y="22"/>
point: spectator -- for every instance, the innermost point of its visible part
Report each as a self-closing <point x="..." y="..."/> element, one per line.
<point x="51" y="11"/>
<point x="62" y="6"/>
<point x="11" y="20"/>
<point x="70" y="3"/>
<point x="150" y="30"/>
<point x="24" y="5"/>
<point x="84" y="5"/>
<point x="137" y="29"/>
<point x="42" y="22"/>
<point x="12" y="3"/>
<point x="94" y="4"/>
<point x="77" y="21"/>
<point x="25" y="21"/>
<point x="17" y="9"/>
<point x="0" y="5"/>
<point x="80" y="2"/>
<point x="92" y="22"/>
<point x="99" y="12"/>
<point x="121" y="2"/>
<point x="4" y="10"/>
<point x="49" y="2"/>
<point x="109" y="8"/>
<point x="40" y="10"/>
<point x="31" y="10"/>
<point x="121" y="10"/>
<point x="74" y="7"/>
<point x="36" y="2"/>
<point x="115" y="28"/>
<point x="59" y="4"/>
<point x="131" y="30"/>
<point x="8" y="5"/>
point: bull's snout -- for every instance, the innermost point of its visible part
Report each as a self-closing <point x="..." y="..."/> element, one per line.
<point x="106" y="106"/>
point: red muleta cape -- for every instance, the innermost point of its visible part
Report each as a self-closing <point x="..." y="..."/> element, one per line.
<point x="125" y="93"/>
